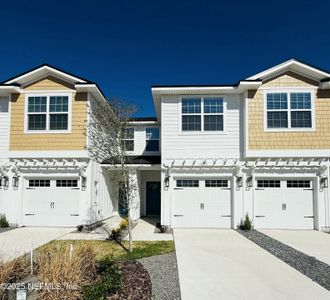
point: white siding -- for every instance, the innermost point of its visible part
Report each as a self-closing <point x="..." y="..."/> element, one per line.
<point x="4" y="126"/>
<point x="177" y="144"/>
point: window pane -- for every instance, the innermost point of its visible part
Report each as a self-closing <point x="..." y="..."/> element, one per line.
<point x="191" y="106"/>
<point x="36" y="122"/>
<point x="152" y="133"/>
<point x="300" y="100"/>
<point x="128" y="145"/>
<point x="129" y="133"/>
<point x="268" y="183"/>
<point x="58" y="122"/>
<point x="187" y="183"/>
<point x="58" y="104"/>
<point x="301" y="119"/>
<point x="298" y="184"/>
<point x="277" y="119"/>
<point x="152" y="145"/>
<point x="213" y="123"/>
<point x="277" y="101"/>
<point x="191" y="123"/>
<point x="212" y="105"/>
<point x="37" y="104"/>
<point x="216" y="183"/>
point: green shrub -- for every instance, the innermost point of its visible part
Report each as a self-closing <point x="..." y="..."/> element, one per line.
<point x="110" y="281"/>
<point x="247" y="224"/>
<point x="3" y="221"/>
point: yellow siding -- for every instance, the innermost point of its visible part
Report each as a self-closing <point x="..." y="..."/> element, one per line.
<point x="261" y="140"/>
<point x="76" y="140"/>
<point x="49" y="83"/>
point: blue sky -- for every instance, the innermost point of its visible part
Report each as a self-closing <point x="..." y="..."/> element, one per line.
<point x="127" y="46"/>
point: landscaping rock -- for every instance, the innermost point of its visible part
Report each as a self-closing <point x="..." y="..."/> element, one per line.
<point x="163" y="272"/>
<point x="311" y="267"/>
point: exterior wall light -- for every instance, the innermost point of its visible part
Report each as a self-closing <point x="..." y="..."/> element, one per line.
<point x="167" y="181"/>
<point x="167" y="177"/>
<point x="15" y="181"/>
<point x="4" y="181"/>
<point x="324" y="182"/>
<point x="239" y="181"/>
<point x="249" y="181"/>
<point x="83" y="182"/>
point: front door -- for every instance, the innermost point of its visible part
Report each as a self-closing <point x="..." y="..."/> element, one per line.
<point x="153" y="198"/>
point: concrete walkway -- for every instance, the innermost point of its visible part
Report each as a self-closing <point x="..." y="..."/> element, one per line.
<point x="145" y="230"/>
<point x="310" y="242"/>
<point x="222" y="264"/>
<point x="16" y="242"/>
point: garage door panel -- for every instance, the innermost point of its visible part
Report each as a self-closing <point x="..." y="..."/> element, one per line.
<point x="202" y="206"/>
<point x="289" y="205"/>
<point x="47" y="204"/>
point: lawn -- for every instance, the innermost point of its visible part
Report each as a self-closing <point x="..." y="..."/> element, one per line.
<point x="115" y="250"/>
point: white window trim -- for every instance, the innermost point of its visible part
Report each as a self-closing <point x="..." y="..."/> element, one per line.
<point x="132" y="139"/>
<point x="146" y="140"/>
<point x="48" y="95"/>
<point x="202" y="131"/>
<point x="288" y="110"/>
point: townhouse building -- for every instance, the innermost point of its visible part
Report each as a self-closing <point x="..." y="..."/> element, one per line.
<point x="212" y="154"/>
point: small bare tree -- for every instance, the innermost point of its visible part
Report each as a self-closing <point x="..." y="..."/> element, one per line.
<point x="108" y="130"/>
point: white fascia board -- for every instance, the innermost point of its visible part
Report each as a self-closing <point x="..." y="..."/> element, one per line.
<point x="287" y="64"/>
<point x="49" y="154"/>
<point x="8" y="89"/>
<point x="48" y="69"/>
<point x="325" y="85"/>
<point x="287" y="153"/>
<point x="90" y="88"/>
<point x="152" y="123"/>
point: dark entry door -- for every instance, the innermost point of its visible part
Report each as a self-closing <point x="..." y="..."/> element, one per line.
<point x="153" y="198"/>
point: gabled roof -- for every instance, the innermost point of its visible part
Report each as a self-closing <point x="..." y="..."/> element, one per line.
<point x="294" y="65"/>
<point x="42" y="71"/>
<point x="14" y="84"/>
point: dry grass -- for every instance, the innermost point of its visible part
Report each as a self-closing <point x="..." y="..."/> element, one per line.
<point x="67" y="275"/>
<point x="13" y="271"/>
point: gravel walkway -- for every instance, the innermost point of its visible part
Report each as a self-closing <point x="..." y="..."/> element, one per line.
<point x="164" y="277"/>
<point x="311" y="267"/>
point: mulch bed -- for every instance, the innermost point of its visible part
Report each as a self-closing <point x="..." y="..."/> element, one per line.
<point x="136" y="283"/>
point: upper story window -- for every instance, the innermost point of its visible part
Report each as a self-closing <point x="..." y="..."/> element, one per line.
<point x="191" y="115"/>
<point x="47" y="113"/>
<point x="202" y="114"/>
<point x="152" y="139"/>
<point x="128" y="139"/>
<point x="289" y="110"/>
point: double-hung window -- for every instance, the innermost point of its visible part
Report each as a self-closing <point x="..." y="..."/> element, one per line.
<point x="128" y="139"/>
<point x="47" y="113"/>
<point x="152" y="139"/>
<point x="202" y="114"/>
<point x="289" y="110"/>
<point x="192" y="114"/>
<point x="213" y="114"/>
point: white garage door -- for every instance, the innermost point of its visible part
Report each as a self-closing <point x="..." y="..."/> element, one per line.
<point x="284" y="204"/>
<point x="202" y="203"/>
<point x="51" y="202"/>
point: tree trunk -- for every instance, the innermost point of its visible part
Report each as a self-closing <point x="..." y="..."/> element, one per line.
<point x="130" y="237"/>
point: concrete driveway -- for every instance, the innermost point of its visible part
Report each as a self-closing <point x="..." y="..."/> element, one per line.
<point x="16" y="242"/>
<point x="222" y="264"/>
<point x="310" y="242"/>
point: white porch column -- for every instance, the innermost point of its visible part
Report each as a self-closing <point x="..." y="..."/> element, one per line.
<point x="134" y="183"/>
